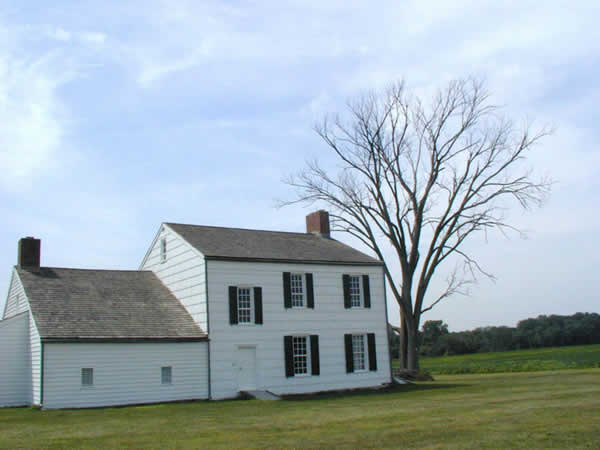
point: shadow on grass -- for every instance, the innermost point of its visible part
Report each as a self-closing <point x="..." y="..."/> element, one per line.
<point x="392" y="389"/>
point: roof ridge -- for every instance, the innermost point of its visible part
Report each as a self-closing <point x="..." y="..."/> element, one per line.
<point x="245" y="229"/>
<point x="88" y="270"/>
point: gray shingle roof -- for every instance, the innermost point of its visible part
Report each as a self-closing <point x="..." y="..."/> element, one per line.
<point x="258" y="245"/>
<point x="84" y="304"/>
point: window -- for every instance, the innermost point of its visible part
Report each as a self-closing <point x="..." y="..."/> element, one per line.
<point x="301" y="355"/>
<point x="297" y="287"/>
<point x="355" y="301"/>
<point x="87" y="377"/>
<point x="357" y="291"/>
<point x="358" y="351"/>
<point x="361" y="353"/>
<point x="298" y="290"/>
<point x="244" y="305"/>
<point x="163" y="250"/>
<point x="165" y="375"/>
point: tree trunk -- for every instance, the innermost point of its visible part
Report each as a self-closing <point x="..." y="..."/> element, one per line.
<point x="403" y="351"/>
<point x="412" y="351"/>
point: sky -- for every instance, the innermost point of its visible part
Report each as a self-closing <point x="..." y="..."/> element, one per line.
<point x="116" y="116"/>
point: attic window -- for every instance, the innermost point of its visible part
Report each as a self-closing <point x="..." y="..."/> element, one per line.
<point x="163" y="250"/>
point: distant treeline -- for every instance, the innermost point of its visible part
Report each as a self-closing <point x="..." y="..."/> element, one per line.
<point x="543" y="331"/>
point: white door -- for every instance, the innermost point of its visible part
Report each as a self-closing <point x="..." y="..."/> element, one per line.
<point x="246" y="368"/>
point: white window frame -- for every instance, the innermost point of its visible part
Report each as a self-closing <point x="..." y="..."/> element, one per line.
<point x="87" y="377"/>
<point x="308" y="355"/>
<point x="163" y="249"/>
<point x="361" y="301"/>
<point x="166" y="375"/>
<point x="302" y="278"/>
<point x="364" y="351"/>
<point x="251" y="299"/>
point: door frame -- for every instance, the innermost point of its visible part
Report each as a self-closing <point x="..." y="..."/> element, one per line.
<point x="240" y="348"/>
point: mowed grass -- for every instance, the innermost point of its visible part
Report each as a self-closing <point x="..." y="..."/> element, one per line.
<point x="527" y="410"/>
<point x="555" y="358"/>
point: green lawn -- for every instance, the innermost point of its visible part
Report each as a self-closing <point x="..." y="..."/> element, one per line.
<point x="528" y="410"/>
<point x="556" y="358"/>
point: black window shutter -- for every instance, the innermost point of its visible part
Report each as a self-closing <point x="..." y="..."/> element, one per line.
<point x="349" y="354"/>
<point x="287" y="290"/>
<point x="315" y="362"/>
<point x="346" y="282"/>
<point x="310" y="293"/>
<point x="366" y="291"/>
<point x="233" y="310"/>
<point x="289" y="356"/>
<point x="258" y="309"/>
<point x="372" y="351"/>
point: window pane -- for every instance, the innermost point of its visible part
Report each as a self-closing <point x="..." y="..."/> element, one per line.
<point x="87" y="377"/>
<point x="244" y="306"/>
<point x="163" y="250"/>
<point x="165" y="375"/>
<point x="297" y="289"/>
<point x="358" y="351"/>
<point x="355" y="291"/>
<point x="300" y="354"/>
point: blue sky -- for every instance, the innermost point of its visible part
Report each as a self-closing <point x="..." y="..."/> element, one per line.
<point x="116" y="116"/>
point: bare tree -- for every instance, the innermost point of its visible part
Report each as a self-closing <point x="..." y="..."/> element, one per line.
<point x="422" y="178"/>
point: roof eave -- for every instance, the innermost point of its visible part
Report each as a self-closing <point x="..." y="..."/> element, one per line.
<point x="117" y="339"/>
<point x="294" y="261"/>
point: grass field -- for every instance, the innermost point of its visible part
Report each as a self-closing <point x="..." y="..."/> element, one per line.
<point x="526" y="410"/>
<point x="556" y="358"/>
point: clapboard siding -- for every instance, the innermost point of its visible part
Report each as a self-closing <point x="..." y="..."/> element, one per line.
<point x="16" y="301"/>
<point x="35" y="349"/>
<point x="15" y="373"/>
<point x="329" y="319"/>
<point x="124" y="373"/>
<point x="182" y="273"/>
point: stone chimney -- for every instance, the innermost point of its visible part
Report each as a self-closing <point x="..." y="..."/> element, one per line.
<point x="318" y="223"/>
<point x="29" y="253"/>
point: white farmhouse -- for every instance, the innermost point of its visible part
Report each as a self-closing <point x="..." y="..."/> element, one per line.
<point x="210" y="313"/>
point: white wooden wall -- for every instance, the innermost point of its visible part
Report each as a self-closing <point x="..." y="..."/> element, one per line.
<point x="330" y="320"/>
<point x="15" y="372"/>
<point x="35" y="346"/>
<point x="182" y="272"/>
<point x="124" y="373"/>
<point x="15" y="302"/>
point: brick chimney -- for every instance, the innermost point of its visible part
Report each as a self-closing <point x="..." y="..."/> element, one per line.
<point x="29" y="253"/>
<point x="318" y="223"/>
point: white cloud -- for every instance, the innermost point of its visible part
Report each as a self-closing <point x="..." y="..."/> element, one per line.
<point x="60" y="34"/>
<point x="31" y="119"/>
<point x="69" y="36"/>
<point x="36" y="61"/>
<point x="92" y="37"/>
<point x="154" y="68"/>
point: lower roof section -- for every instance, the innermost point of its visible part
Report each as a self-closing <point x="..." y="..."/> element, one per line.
<point x="79" y="305"/>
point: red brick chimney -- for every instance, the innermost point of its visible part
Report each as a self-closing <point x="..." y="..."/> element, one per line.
<point x="318" y="223"/>
<point x="29" y="253"/>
